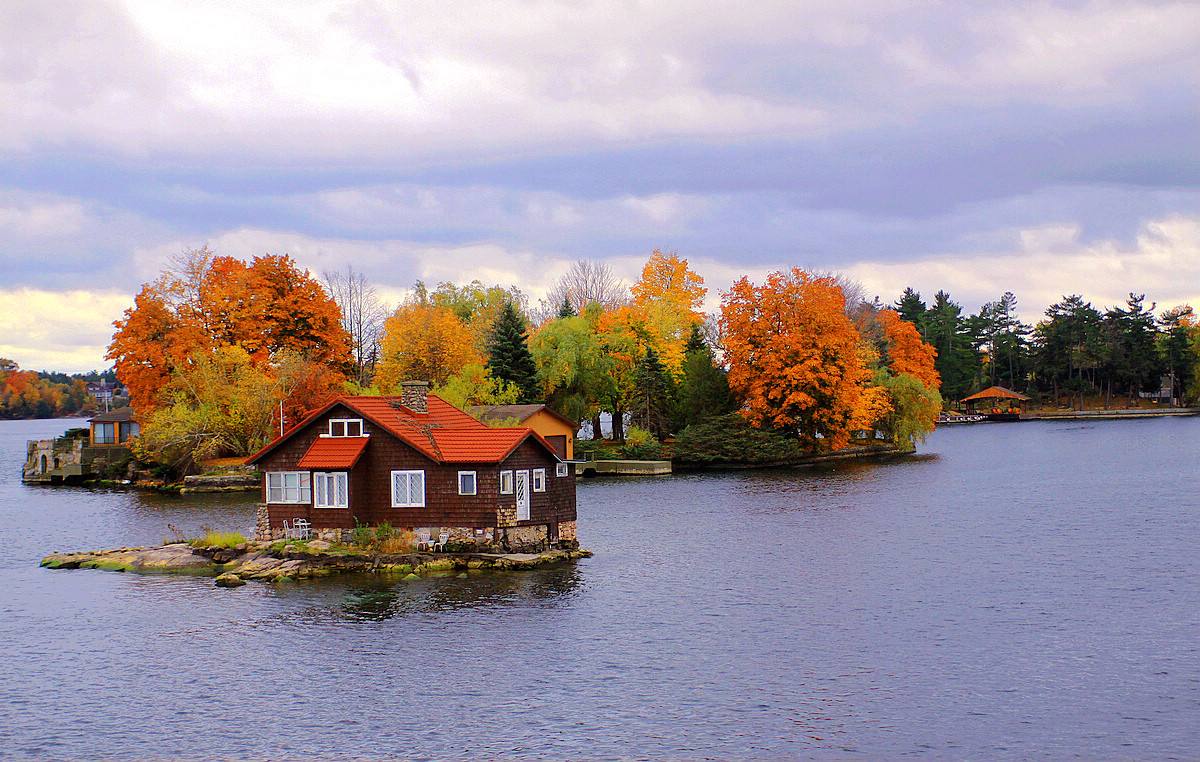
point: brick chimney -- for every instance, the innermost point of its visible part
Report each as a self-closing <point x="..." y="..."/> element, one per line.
<point x="414" y="395"/>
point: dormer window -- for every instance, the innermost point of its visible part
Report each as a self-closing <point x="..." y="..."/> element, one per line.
<point x="345" y="427"/>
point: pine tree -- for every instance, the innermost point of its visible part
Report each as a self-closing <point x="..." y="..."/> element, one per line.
<point x="703" y="389"/>
<point x="566" y="309"/>
<point x="508" y="353"/>
<point x="957" y="360"/>
<point x="654" y="395"/>
<point x="912" y="309"/>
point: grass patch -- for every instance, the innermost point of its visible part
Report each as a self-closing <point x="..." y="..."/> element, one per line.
<point x="218" y="539"/>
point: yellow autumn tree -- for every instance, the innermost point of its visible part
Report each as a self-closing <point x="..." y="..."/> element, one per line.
<point x="424" y="342"/>
<point x="667" y="299"/>
<point x="795" y="359"/>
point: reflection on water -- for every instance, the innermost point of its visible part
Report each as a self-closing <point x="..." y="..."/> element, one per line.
<point x="383" y="597"/>
<point x="1015" y="591"/>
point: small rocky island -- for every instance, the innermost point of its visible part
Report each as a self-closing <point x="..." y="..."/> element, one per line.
<point x="282" y="561"/>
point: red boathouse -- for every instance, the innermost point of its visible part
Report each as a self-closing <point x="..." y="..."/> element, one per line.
<point x="416" y="462"/>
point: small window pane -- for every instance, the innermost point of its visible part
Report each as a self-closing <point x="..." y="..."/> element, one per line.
<point x="337" y="428"/>
<point x="466" y="482"/>
<point x="354" y="428"/>
<point x="506" y="482"/>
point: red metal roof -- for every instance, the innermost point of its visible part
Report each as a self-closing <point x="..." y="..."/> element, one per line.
<point x="334" y="452"/>
<point x="444" y="434"/>
<point x="478" y="446"/>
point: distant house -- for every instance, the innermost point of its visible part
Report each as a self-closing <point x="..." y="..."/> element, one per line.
<point x="100" y="450"/>
<point x="556" y="428"/>
<point x="103" y="391"/>
<point x="416" y="462"/>
<point x="113" y="428"/>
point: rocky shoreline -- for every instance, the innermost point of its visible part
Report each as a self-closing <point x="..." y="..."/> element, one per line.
<point x="281" y="562"/>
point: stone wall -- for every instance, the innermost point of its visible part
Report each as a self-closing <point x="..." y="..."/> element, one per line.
<point x="262" y="524"/>
<point x="567" y="531"/>
<point x="525" y="539"/>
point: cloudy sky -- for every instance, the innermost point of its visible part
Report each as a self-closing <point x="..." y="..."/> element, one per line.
<point x="1039" y="147"/>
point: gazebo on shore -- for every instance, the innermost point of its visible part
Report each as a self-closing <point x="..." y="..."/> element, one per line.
<point x="1004" y="403"/>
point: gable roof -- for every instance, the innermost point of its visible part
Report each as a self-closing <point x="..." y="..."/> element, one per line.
<point x="521" y="413"/>
<point x="334" y="452"/>
<point x="121" y="414"/>
<point x="994" y="393"/>
<point x="465" y="439"/>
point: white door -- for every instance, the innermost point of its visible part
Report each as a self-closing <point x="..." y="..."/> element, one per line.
<point x="522" y="491"/>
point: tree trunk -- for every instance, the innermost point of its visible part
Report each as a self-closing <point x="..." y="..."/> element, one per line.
<point x="618" y="424"/>
<point x="597" y="430"/>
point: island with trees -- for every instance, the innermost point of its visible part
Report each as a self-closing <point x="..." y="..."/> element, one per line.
<point x="221" y="355"/>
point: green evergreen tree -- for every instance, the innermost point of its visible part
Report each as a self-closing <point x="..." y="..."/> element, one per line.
<point x="509" y="358"/>
<point x="653" y="399"/>
<point x="913" y="309"/>
<point x="1132" y="331"/>
<point x="1176" y="349"/>
<point x="703" y="389"/>
<point x="566" y="309"/>
<point x="957" y="361"/>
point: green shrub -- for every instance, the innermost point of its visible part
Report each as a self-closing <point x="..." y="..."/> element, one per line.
<point x="363" y="535"/>
<point x="640" y="445"/>
<point x="730" y="439"/>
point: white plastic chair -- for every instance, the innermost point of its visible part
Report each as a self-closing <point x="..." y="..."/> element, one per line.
<point x="287" y="530"/>
<point x="424" y="541"/>
<point x="443" y="538"/>
<point x="302" y="529"/>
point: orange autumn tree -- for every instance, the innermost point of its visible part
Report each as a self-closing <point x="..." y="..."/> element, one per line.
<point x="269" y="308"/>
<point x="423" y="342"/>
<point x="668" y="298"/>
<point x="795" y="359"/>
<point x="906" y="351"/>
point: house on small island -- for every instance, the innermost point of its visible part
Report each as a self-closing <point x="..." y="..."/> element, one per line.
<point x="554" y="427"/>
<point x="416" y="462"/>
<point x="102" y="449"/>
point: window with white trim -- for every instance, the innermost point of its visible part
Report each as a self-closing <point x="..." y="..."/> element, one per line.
<point x="466" y="482"/>
<point x="539" y="480"/>
<point x="331" y="490"/>
<point x="506" y="482"/>
<point x="408" y="489"/>
<point x="288" y="487"/>
<point x="561" y="469"/>
<point x="345" y="427"/>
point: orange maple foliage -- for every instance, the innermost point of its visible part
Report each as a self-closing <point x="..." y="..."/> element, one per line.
<point x="267" y="307"/>
<point x="906" y="351"/>
<point x="424" y="342"/>
<point x="795" y="359"/>
<point x="667" y="302"/>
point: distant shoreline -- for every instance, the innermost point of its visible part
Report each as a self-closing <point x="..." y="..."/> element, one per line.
<point x="1094" y="415"/>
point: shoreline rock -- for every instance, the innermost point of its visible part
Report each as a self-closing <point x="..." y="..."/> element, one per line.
<point x="272" y="563"/>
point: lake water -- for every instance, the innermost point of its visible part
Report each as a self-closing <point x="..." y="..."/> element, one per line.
<point x="1016" y="590"/>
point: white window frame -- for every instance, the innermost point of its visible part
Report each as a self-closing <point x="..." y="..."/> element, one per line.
<point x="302" y="487"/>
<point x="474" y="482"/>
<point x="339" y="481"/>
<point x="539" y="480"/>
<point x="506" y="478"/>
<point x="345" y="427"/>
<point x="408" y="489"/>
<point x="562" y="469"/>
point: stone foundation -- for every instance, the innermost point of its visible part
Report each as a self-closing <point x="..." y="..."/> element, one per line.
<point x="506" y="516"/>
<point x="262" y="524"/>
<point x="567" y="532"/>
<point x="510" y="539"/>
